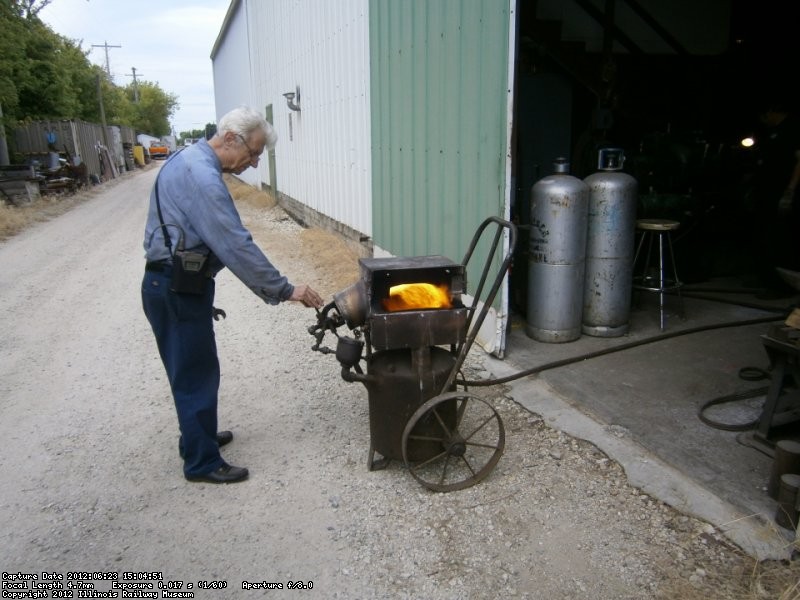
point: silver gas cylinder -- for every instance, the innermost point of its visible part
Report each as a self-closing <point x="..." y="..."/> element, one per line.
<point x="609" y="247"/>
<point x="559" y="209"/>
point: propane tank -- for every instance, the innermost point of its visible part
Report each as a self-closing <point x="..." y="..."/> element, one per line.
<point x="559" y="209"/>
<point x="609" y="247"/>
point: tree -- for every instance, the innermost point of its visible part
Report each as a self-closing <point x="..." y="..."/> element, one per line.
<point x="12" y="53"/>
<point x="197" y="133"/>
<point x="55" y="79"/>
<point x="30" y="8"/>
<point x="154" y="108"/>
<point x="119" y="107"/>
<point x="44" y="75"/>
<point x="79" y="79"/>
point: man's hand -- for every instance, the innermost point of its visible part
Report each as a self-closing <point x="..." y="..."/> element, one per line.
<point x="304" y="294"/>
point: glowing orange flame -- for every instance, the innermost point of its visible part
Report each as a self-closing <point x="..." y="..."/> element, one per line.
<point x="415" y="296"/>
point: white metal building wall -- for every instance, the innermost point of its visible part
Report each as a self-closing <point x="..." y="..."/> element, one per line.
<point x="322" y="47"/>
<point x="231" y="68"/>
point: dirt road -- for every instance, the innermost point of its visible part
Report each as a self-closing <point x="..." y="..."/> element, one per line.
<point x="92" y="480"/>
<point x="92" y="476"/>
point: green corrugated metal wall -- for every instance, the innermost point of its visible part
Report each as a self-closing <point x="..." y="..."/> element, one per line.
<point x="439" y="90"/>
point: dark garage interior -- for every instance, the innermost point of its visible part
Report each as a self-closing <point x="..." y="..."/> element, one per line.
<point x="677" y="85"/>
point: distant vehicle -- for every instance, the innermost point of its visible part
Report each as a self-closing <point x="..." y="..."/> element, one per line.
<point x="159" y="150"/>
<point x="189" y="141"/>
<point x="171" y="142"/>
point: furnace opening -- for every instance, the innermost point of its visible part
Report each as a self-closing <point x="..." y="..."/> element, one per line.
<point x="417" y="296"/>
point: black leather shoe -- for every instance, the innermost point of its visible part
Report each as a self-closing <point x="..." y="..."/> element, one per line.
<point x="223" y="437"/>
<point x="224" y="474"/>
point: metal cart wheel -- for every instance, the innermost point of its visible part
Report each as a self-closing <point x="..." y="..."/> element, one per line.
<point x="463" y="438"/>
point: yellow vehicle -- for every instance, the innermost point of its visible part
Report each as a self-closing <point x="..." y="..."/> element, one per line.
<point x="159" y="150"/>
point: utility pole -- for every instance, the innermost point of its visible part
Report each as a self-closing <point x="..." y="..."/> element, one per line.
<point x="106" y="46"/>
<point x="3" y="145"/>
<point x="105" y="158"/>
<point x="135" y="85"/>
<point x="102" y="111"/>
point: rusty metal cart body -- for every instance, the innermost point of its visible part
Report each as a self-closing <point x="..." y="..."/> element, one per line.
<point x="413" y="331"/>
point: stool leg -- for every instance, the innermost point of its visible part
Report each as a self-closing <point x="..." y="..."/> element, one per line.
<point x="678" y="283"/>
<point x="638" y="251"/>
<point x="661" y="278"/>
<point x="640" y="277"/>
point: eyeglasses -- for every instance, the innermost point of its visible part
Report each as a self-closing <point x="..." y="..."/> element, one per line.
<point x="253" y="154"/>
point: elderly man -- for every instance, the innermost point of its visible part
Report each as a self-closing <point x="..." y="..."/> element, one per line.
<point x="191" y="209"/>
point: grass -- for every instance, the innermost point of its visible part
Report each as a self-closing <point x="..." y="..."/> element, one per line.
<point x="15" y="219"/>
<point x="244" y="192"/>
<point x="331" y="255"/>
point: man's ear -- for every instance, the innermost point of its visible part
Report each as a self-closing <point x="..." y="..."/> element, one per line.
<point x="229" y="138"/>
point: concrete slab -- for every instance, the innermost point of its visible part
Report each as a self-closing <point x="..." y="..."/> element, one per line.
<point x="640" y="405"/>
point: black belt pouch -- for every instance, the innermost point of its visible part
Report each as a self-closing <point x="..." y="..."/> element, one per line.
<point x="189" y="272"/>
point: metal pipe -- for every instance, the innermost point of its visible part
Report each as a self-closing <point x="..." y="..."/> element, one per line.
<point x="351" y="377"/>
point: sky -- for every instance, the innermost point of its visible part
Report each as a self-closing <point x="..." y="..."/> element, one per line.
<point x="169" y="42"/>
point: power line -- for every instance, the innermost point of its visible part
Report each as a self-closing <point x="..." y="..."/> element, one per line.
<point x="106" y="45"/>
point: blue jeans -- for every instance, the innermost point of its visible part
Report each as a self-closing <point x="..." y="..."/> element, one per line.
<point x="184" y="331"/>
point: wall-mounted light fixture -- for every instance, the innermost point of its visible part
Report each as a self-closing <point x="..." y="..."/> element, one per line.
<point x="293" y="99"/>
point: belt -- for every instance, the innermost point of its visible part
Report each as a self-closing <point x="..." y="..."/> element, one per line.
<point x="160" y="266"/>
<point x="163" y="266"/>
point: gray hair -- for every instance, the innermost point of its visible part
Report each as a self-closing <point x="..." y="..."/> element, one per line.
<point x="244" y="121"/>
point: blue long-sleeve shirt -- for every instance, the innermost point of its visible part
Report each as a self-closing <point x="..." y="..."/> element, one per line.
<point x="194" y="197"/>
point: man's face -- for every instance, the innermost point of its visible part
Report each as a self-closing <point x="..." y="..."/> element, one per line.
<point x="247" y="151"/>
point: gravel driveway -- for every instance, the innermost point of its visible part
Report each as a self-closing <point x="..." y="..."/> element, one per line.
<point x="92" y="481"/>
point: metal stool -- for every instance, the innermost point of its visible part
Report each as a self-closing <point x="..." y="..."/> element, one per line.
<point x="657" y="228"/>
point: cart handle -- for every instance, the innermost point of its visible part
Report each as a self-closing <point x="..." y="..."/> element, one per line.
<point x="472" y="330"/>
